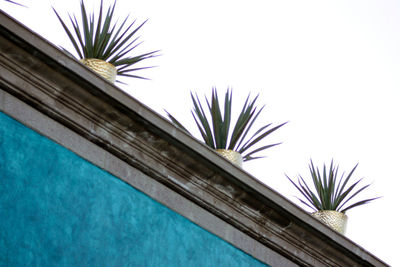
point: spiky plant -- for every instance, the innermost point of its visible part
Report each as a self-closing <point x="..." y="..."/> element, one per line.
<point x="105" y="40"/>
<point x="327" y="192"/>
<point x="216" y="133"/>
<point x="14" y="2"/>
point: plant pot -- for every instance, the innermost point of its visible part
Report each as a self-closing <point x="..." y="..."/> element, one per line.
<point x="232" y="156"/>
<point x="334" y="219"/>
<point x="101" y="67"/>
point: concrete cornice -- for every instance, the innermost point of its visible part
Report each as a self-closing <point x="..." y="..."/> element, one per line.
<point x="43" y="77"/>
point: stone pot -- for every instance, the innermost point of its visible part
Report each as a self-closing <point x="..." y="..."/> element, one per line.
<point x="101" y="67"/>
<point x="334" y="219"/>
<point x="232" y="156"/>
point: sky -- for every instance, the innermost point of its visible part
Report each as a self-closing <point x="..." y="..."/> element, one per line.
<point x="329" y="68"/>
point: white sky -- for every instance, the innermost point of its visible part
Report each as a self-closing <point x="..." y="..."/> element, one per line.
<point x="330" y="68"/>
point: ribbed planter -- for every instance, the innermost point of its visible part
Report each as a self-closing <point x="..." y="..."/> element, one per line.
<point x="232" y="156"/>
<point x="334" y="219"/>
<point x="101" y="67"/>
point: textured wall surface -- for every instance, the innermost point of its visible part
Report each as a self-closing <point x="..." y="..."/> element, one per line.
<point x="56" y="209"/>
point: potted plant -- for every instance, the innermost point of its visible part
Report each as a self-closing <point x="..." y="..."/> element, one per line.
<point x="328" y="196"/>
<point x="102" y="45"/>
<point x="233" y="145"/>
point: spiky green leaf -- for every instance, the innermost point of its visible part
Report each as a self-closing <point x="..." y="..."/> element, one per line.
<point x="97" y="36"/>
<point x="331" y="194"/>
<point x="216" y="132"/>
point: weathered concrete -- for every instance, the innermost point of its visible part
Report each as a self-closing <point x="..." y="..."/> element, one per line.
<point x="58" y="97"/>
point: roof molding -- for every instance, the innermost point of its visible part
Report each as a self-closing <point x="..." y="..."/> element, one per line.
<point x="43" y="77"/>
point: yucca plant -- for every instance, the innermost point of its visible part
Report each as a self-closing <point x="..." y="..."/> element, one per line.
<point x="216" y="133"/>
<point x="100" y="38"/>
<point x="327" y="191"/>
<point x="14" y="2"/>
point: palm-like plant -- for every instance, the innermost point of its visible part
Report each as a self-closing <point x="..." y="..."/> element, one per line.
<point x="328" y="192"/>
<point x="105" y="40"/>
<point x="13" y="2"/>
<point x="216" y="134"/>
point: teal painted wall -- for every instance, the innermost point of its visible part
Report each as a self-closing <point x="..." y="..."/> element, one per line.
<point x="57" y="209"/>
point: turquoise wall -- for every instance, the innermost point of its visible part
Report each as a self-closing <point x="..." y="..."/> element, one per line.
<point x="57" y="209"/>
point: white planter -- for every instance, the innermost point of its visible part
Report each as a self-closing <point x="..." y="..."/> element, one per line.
<point x="334" y="219"/>
<point x="232" y="156"/>
<point x="101" y="67"/>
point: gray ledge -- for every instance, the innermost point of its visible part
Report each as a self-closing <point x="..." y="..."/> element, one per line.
<point x="71" y="105"/>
